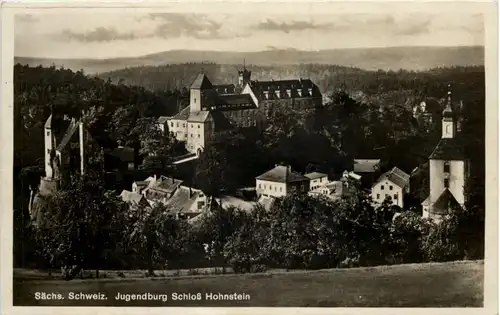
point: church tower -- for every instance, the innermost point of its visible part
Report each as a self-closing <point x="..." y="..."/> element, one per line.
<point x="448" y="169"/>
<point x="244" y="76"/>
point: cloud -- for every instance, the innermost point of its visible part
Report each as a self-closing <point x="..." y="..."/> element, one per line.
<point x="194" y="26"/>
<point x="414" y="27"/>
<point x="287" y="27"/>
<point x="99" y="34"/>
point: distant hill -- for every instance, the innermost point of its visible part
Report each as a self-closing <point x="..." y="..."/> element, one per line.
<point x="393" y="58"/>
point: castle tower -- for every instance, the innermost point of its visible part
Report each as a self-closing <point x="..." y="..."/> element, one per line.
<point x="448" y="169"/>
<point x="49" y="145"/>
<point x="200" y="93"/>
<point x="244" y="76"/>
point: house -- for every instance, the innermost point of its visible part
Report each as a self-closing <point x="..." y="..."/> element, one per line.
<point x="394" y="184"/>
<point x="317" y="179"/>
<point x="336" y="189"/>
<point x="368" y="169"/>
<point x="162" y="123"/>
<point x="187" y="203"/>
<point x="134" y="199"/>
<point x="160" y="189"/>
<point x="448" y="170"/>
<point x="281" y="181"/>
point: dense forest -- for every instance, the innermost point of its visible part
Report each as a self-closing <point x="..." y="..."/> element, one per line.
<point x="367" y="115"/>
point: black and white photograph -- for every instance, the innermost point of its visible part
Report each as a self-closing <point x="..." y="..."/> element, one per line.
<point x="252" y="155"/>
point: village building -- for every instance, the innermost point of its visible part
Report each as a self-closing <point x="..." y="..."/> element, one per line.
<point x="394" y="184"/>
<point x="281" y="181"/>
<point x="134" y="199"/>
<point x="336" y="189"/>
<point x="368" y="169"/>
<point x="448" y="170"/>
<point x="217" y="108"/>
<point x="317" y="179"/>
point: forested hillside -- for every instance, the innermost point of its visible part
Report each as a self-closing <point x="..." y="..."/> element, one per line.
<point x="383" y="88"/>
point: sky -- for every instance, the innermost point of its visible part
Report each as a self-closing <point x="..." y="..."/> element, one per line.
<point x="108" y="35"/>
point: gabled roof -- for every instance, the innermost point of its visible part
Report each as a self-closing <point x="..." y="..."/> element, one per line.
<point x="48" y="123"/>
<point x="446" y="202"/>
<point x="163" y="119"/>
<point x="68" y="135"/>
<point x="282" y="174"/>
<point x="200" y="116"/>
<point x="266" y="202"/>
<point x="259" y="87"/>
<point x="201" y="82"/>
<point x="183" y="114"/>
<point x="396" y="176"/>
<point x="225" y="88"/>
<point x="315" y="175"/>
<point x="448" y="149"/>
<point x="183" y="199"/>
<point x="366" y="165"/>
<point x="132" y="197"/>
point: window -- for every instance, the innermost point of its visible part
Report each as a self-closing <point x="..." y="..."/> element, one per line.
<point x="281" y="189"/>
<point x="446" y="183"/>
<point x="301" y="187"/>
<point x="48" y="151"/>
<point x="191" y="135"/>
<point x="183" y="125"/>
<point x="390" y="187"/>
<point x="275" y="188"/>
<point x="378" y="196"/>
<point x="171" y="124"/>
<point x="446" y="167"/>
<point x="191" y="125"/>
<point x="48" y="133"/>
<point x="260" y="186"/>
<point x="195" y="100"/>
<point x="177" y="124"/>
<point x="396" y="197"/>
<point x="198" y="126"/>
<point x="198" y="135"/>
<point x="382" y="187"/>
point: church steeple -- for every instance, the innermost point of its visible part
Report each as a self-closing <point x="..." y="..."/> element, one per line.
<point x="448" y="121"/>
<point x="244" y="75"/>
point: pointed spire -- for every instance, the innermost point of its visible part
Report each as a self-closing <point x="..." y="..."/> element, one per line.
<point x="244" y="64"/>
<point x="448" y="111"/>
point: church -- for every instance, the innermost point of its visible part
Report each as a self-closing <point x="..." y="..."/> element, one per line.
<point x="216" y="108"/>
<point x="448" y="169"/>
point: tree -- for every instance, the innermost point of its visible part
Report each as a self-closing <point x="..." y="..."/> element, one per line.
<point x="153" y="235"/>
<point x="77" y="228"/>
<point x="210" y="172"/>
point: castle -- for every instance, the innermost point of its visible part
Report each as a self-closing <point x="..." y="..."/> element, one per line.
<point x="448" y="169"/>
<point x="216" y="108"/>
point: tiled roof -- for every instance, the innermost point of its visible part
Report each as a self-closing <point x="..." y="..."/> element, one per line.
<point x="235" y="99"/>
<point x="163" y="119"/>
<point x="366" y="165"/>
<point x="259" y="87"/>
<point x="282" y="174"/>
<point x="168" y="184"/>
<point x="396" y="176"/>
<point x="448" y="149"/>
<point x="200" y="116"/>
<point x="183" y="114"/>
<point x="445" y="203"/>
<point x="225" y="88"/>
<point x="266" y="202"/>
<point x="183" y="199"/>
<point x="131" y="197"/>
<point x="201" y="82"/>
<point x="315" y="175"/>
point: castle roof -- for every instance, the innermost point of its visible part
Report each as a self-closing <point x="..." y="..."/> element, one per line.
<point x="261" y="88"/>
<point x="225" y="88"/>
<point x="235" y="99"/>
<point x="163" y="119"/>
<point x="448" y="149"/>
<point x="183" y="114"/>
<point x="282" y="174"/>
<point x="200" y="116"/>
<point x="396" y="176"/>
<point x="201" y="82"/>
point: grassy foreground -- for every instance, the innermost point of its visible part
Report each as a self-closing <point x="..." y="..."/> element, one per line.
<point x="454" y="284"/>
